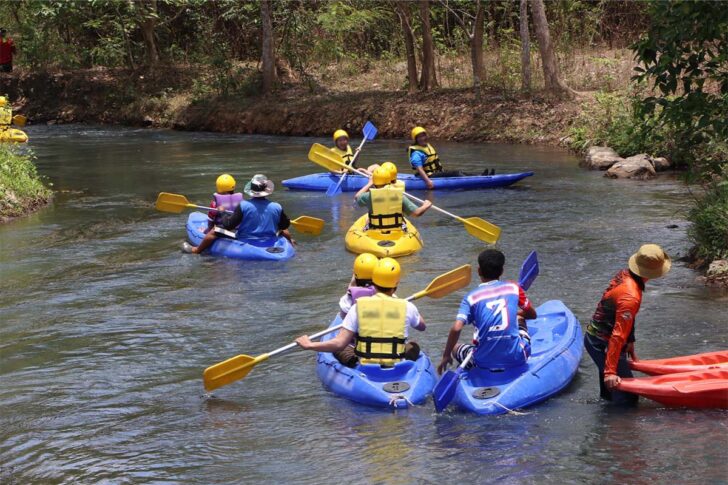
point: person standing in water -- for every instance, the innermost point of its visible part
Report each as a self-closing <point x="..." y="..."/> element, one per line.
<point x="7" y="51"/>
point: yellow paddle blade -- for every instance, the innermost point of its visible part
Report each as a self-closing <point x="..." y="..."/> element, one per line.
<point x="231" y="370"/>
<point x="321" y="155"/>
<point x="482" y="229"/>
<point x="20" y="120"/>
<point x="447" y="283"/>
<point x="174" y="203"/>
<point x="308" y="225"/>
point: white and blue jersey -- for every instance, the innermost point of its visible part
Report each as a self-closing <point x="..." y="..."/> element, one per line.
<point x="492" y="308"/>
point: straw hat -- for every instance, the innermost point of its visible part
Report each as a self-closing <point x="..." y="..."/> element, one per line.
<point x="650" y="262"/>
<point x="259" y="186"/>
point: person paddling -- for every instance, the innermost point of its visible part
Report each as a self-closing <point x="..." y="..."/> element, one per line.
<point x="258" y="218"/>
<point x="426" y="162"/>
<point x="609" y="338"/>
<point x="343" y="149"/>
<point x="379" y="323"/>
<point x="361" y="282"/>
<point x="498" y="310"/>
<point x="386" y="202"/>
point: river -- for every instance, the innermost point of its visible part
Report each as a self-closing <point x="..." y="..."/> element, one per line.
<point x="106" y="327"/>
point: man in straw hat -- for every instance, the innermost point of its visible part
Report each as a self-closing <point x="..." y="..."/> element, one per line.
<point x="257" y="218"/>
<point x="609" y="338"/>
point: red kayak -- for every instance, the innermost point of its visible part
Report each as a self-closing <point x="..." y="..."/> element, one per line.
<point x="697" y="389"/>
<point x="685" y="363"/>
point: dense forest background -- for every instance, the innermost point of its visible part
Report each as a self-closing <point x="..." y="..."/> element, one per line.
<point x="641" y="77"/>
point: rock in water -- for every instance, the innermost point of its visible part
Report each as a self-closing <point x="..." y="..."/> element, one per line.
<point x="717" y="274"/>
<point x="636" y="167"/>
<point x="600" y="158"/>
<point x="661" y="164"/>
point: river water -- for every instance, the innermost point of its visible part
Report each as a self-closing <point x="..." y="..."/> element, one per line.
<point x="106" y="327"/>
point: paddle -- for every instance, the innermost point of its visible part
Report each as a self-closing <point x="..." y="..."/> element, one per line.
<point x="236" y="368"/>
<point x="476" y="227"/>
<point x="177" y="203"/>
<point x="369" y="131"/>
<point x="445" y="388"/>
<point x="20" y="120"/>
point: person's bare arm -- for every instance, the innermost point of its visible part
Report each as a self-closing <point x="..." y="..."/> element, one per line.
<point x="421" y="209"/>
<point x="452" y="340"/>
<point x="423" y="175"/>
<point x="363" y="190"/>
<point x="334" y="345"/>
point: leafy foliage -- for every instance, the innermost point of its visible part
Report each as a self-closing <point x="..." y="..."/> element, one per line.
<point x="20" y="186"/>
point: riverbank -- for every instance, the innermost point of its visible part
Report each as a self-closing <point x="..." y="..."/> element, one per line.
<point x="22" y="191"/>
<point x="169" y="98"/>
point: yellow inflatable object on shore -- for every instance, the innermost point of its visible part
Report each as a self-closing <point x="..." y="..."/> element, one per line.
<point x="12" y="135"/>
<point x="391" y="243"/>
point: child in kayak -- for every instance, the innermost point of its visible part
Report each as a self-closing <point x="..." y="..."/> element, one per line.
<point x="361" y="282"/>
<point x="494" y="308"/>
<point x="225" y="198"/>
<point x="379" y="323"/>
<point x="426" y="163"/>
<point x="386" y="202"/>
<point x="343" y="149"/>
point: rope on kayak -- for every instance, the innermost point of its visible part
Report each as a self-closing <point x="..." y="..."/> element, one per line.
<point x="393" y="401"/>
<point x="510" y="411"/>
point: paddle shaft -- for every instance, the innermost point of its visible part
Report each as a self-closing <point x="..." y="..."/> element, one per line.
<point x="336" y="189"/>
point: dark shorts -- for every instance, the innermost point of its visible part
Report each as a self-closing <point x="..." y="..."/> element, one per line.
<point x="350" y="359"/>
<point x="6" y="67"/>
<point x="597" y="350"/>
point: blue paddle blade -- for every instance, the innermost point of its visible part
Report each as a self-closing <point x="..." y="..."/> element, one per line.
<point x="335" y="189"/>
<point x="369" y="131"/>
<point x="529" y="271"/>
<point x="445" y="389"/>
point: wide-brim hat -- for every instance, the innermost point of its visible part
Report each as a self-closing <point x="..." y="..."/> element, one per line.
<point x="650" y="262"/>
<point x="259" y="186"/>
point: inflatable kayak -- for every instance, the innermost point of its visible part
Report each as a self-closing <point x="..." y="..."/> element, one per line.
<point x="352" y="183"/>
<point x="277" y="249"/>
<point x="406" y="383"/>
<point x="697" y="389"/>
<point x="12" y="135"/>
<point x="685" y="363"/>
<point x="393" y="243"/>
<point x="556" y="347"/>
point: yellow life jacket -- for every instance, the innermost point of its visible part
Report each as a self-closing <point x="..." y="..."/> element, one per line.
<point x="6" y="115"/>
<point x="386" y="212"/>
<point x="382" y="321"/>
<point x="346" y="155"/>
<point x="399" y="184"/>
<point x="432" y="164"/>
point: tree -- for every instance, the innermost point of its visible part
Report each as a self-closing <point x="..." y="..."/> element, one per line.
<point x="553" y="82"/>
<point x="267" y="53"/>
<point x="474" y="27"/>
<point x="403" y="13"/>
<point x="525" y="48"/>
<point x="147" y="17"/>
<point x="428" y="78"/>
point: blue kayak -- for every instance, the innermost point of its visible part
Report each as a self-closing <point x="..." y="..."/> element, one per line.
<point x="352" y="183"/>
<point x="406" y="383"/>
<point x="276" y="249"/>
<point x="556" y="347"/>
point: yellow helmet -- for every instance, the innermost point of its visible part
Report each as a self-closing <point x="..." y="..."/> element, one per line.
<point x="386" y="273"/>
<point x="417" y="130"/>
<point x="225" y="183"/>
<point x="339" y="133"/>
<point x="3" y="101"/>
<point x="392" y="169"/>
<point x="364" y="266"/>
<point x="381" y="176"/>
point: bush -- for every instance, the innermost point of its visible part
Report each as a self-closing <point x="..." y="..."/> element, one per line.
<point x="21" y="189"/>
<point x="709" y="216"/>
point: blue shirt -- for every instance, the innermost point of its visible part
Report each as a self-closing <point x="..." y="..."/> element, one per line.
<point x="417" y="159"/>
<point x="492" y="308"/>
<point x="261" y="219"/>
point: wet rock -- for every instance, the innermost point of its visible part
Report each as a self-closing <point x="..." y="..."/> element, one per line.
<point x="717" y="274"/>
<point x="148" y="121"/>
<point x="660" y="163"/>
<point x="600" y="158"/>
<point x="636" y="167"/>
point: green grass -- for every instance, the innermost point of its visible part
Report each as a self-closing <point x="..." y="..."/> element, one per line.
<point x="21" y="189"/>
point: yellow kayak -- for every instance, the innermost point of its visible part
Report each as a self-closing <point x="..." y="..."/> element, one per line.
<point x="12" y="135"/>
<point x="392" y="243"/>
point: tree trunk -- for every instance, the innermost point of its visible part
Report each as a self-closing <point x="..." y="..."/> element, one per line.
<point x="525" y="48"/>
<point x="428" y="78"/>
<point x="476" y="46"/>
<point x="267" y="54"/>
<point x="548" y="58"/>
<point x="402" y="8"/>
<point x="148" y="24"/>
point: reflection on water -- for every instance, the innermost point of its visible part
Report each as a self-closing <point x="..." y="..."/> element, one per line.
<point x="106" y="326"/>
